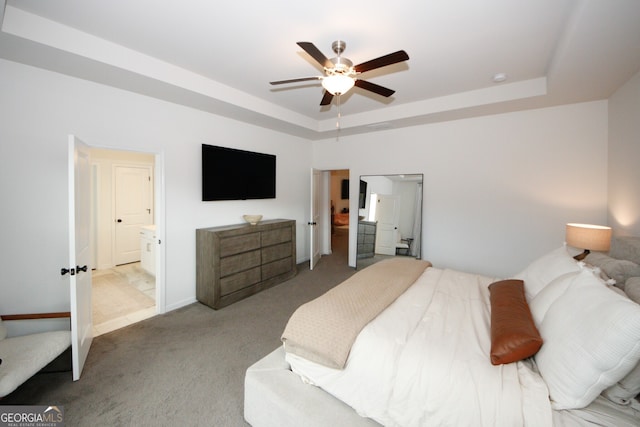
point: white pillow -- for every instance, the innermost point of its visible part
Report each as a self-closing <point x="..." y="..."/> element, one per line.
<point x="607" y="281"/>
<point x="547" y="296"/>
<point x="591" y="341"/>
<point x="540" y="304"/>
<point x="546" y="268"/>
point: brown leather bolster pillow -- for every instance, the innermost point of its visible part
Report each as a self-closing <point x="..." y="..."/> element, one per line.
<point x="514" y="335"/>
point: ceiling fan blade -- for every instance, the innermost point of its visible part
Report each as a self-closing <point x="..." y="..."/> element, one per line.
<point x="315" y="53"/>
<point x="302" y="79"/>
<point x="380" y="90"/>
<point x="382" y="61"/>
<point x="327" y="98"/>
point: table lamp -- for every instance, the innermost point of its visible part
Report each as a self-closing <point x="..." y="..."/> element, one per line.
<point x="588" y="237"/>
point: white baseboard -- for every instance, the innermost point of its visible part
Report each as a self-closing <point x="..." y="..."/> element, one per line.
<point x="180" y="304"/>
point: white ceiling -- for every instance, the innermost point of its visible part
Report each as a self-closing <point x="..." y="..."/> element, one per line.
<point x="220" y="56"/>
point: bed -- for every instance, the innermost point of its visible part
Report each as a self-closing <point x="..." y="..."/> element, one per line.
<point x="341" y="219"/>
<point x="403" y="343"/>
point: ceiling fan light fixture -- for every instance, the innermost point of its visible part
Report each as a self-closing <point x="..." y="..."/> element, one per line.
<point x="338" y="84"/>
<point x="340" y="73"/>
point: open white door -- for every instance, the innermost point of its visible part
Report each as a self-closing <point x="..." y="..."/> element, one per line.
<point x="387" y="217"/>
<point x="80" y="253"/>
<point x="314" y="239"/>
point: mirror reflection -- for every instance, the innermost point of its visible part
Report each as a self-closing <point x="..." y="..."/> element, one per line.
<point x="389" y="217"/>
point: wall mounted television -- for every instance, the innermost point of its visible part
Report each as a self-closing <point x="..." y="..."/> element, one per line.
<point x="344" y="189"/>
<point x="231" y="174"/>
<point x="362" y="195"/>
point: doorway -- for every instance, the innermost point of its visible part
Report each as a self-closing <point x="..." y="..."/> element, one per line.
<point x="339" y="197"/>
<point x="123" y="231"/>
<point x="326" y="198"/>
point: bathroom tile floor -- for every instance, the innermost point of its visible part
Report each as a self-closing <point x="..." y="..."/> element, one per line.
<point x="121" y="296"/>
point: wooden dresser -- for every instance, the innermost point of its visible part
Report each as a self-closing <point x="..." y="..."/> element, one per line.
<point x="366" y="239"/>
<point x="236" y="261"/>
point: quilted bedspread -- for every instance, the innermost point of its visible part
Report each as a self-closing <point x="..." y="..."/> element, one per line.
<point x="323" y="330"/>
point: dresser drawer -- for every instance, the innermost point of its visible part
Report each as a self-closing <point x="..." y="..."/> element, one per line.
<point x="276" y="252"/>
<point x="276" y="268"/>
<point x="236" y="263"/>
<point x="279" y="235"/>
<point x="241" y="280"/>
<point x="367" y="228"/>
<point x="237" y="244"/>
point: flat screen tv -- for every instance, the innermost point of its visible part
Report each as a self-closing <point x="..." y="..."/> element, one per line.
<point x="231" y="174"/>
<point x="362" y="195"/>
<point x="344" y="193"/>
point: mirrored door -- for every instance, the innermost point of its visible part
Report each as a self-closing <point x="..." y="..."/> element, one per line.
<point x="389" y="217"/>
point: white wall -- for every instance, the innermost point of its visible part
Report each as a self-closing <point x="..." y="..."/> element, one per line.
<point x="406" y="191"/>
<point x="498" y="190"/>
<point x="39" y="109"/>
<point x="624" y="159"/>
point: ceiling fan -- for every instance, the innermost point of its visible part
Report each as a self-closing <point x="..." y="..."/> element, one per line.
<point x="340" y="73"/>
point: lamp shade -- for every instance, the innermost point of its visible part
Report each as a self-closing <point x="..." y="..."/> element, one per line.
<point x="587" y="236"/>
<point x="337" y="84"/>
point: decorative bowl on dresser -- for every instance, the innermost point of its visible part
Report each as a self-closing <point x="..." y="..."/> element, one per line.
<point x="236" y="261"/>
<point x="252" y="219"/>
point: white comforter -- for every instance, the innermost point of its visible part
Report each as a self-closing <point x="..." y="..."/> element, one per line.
<point x="425" y="362"/>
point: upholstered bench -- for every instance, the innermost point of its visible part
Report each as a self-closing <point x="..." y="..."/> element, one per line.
<point x="276" y="397"/>
<point x="24" y="356"/>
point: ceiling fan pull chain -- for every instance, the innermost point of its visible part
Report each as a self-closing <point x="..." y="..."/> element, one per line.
<point x="338" y="121"/>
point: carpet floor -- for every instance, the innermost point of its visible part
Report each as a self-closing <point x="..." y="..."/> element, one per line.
<point x="185" y="367"/>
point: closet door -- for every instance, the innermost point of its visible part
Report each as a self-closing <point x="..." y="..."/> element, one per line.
<point x="387" y="218"/>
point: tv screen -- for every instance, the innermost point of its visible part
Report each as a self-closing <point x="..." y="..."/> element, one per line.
<point x="362" y="196"/>
<point x="231" y="174"/>
<point x="345" y="189"/>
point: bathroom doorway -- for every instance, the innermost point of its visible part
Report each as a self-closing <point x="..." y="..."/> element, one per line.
<point x="123" y="239"/>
